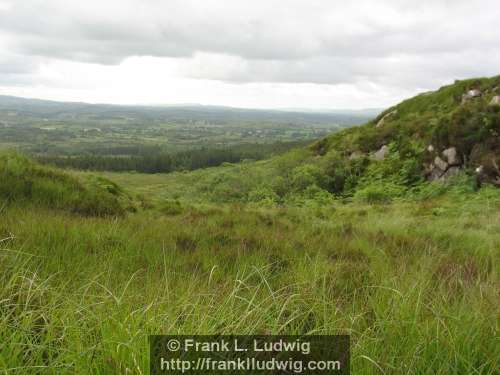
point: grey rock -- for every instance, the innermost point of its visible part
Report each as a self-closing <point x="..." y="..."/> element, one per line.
<point x="434" y="173"/>
<point x="430" y="148"/>
<point x="440" y="163"/>
<point x="452" y="171"/>
<point x="356" y="155"/>
<point x="488" y="173"/>
<point x="474" y="93"/>
<point x="381" y="154"/>
<point x="495" y="100"/>
<point x="451" y="156"/>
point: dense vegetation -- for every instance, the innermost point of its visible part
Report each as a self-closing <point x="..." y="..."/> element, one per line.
<point x="342" y="165"/>
<point x="414" y="284"/>
<point x="323" y="239"/>
<point x="154" y="160"/>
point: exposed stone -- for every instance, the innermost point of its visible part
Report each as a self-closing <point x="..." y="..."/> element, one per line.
<point x="430" y="148"/>
<point x="450" y="172"/>
<point x="356" y="155"/>
<point x="474" y="93"/>
<point x="495" y="100"/>
<point x="382" y="120"/>
<point x="380" y="154"/>
<point x="434" y="173"/>
<point x="489" y="170"/>
<point x="440" y="163"/>
<point x="451" y="156"/>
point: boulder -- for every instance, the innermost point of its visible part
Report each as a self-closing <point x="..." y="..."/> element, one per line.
<point x="488" y="173"/>
<point x="430" y="148"/>
<point x="356" y="155"/>
<point x="434" y="173"/>
<point x="495" y="100"/>
<point x="474" y="93"/>
<point x="381" y="154"/>
<point x="451" y="156"/>
<point x="450" y="172"/>
<point x="440" y="163"/>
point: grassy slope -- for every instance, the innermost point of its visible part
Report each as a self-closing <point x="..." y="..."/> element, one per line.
<point x="24" y="182"/>
<point x="416" y="285"/>
<point x="414" y="282"/>
<point x="326" y="170"/>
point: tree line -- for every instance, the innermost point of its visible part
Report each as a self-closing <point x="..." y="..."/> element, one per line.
<point x="163" y="162"/>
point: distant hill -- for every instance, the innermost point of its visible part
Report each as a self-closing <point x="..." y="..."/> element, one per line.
<point x="79" y="111"/>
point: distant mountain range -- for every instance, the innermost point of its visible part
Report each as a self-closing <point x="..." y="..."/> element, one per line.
<point x="48" y="109"/>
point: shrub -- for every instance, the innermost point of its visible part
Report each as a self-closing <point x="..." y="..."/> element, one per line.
<point x="381" y="192"/>
<point x="264" y="196"/>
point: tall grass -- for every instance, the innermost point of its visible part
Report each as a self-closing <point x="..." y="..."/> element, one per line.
<point x="416" y="288"/>
<point x="24" y="182"/>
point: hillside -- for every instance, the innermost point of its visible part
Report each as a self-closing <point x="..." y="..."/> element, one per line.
<point x="28" y="184"/>
<point x="335" y="238"/>
<point x="452" y="133"/>
<point x="464" y="117"/>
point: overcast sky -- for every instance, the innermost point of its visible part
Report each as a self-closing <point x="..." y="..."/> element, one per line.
<point x="251" y="53"/>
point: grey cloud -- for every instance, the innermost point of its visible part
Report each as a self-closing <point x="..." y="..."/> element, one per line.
<point x="398" y="71"/>
<point x="17" y="70"/>
<point x="315" y="41"/>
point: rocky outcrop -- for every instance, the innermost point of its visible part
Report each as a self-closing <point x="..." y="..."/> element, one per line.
<point x="495" y="100"/>
<point x="452" y="157"/>
<point x="440" y="163"/>
<point x="485" y="175"/>
<point x="471" y="94"/>
<point x="356" y="155"/>
<point x="449" y="163"/>
<point x="446" y="167"/>
<point x="386" y="116"/>
<point x="450" y="172"/>
<point x="381" y="154"/>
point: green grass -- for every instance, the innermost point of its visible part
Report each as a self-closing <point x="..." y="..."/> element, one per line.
<point x="414" y="284"/>
<point x="309" y="242"/>
<point x="23" y="182"/>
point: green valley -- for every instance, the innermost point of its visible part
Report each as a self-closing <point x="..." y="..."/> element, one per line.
<point x="387" y="232"/>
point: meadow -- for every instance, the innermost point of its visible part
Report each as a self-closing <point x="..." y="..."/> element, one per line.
<point x="323" y="239"/>
<point x="415" y="284"/>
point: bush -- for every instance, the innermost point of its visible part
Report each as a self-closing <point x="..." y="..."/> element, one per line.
<point x="379" y="193"/>
<point x="264" y="196"/>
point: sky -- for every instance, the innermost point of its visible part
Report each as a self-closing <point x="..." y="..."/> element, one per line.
<point x="316" y="54"/>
